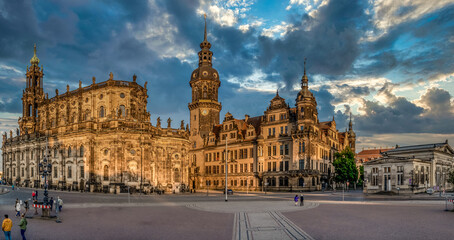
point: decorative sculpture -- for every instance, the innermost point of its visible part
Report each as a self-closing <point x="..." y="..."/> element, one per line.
<point x="182" y="125"/>
<point x="169" y="122"/>
<point x="158" y="124"/>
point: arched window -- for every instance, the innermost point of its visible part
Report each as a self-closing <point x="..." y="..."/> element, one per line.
<point x="122" y="111"/>
<point x="69" y="152"/>
<point x="81" y="151"/>
<point x="301" y="182"/>
<point x="55" y="152"/>
<point x="106" y="173"/>
<point x="101" y="111"/>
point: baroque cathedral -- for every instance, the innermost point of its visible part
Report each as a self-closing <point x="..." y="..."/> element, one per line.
<point x="97" y="138"/>
<point x="100" y="138"/>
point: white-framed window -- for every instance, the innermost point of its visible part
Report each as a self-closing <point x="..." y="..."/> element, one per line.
<point x="400" y="175"/>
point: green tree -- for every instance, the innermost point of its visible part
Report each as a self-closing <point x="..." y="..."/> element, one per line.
<point x="361" y="175"/>
<point x="345" y="166"/>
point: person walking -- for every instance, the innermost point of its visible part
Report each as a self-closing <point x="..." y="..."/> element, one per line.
<point x="26" y="205"/>
<point x="17" y="206"/>
<point x="51" y="203"/>
<point x="296" y="200"/>
<point x="6" y="227"/>
<point x="35" y="202"/>
<point x="33" y="195"/>
<point x="23" y="226"/>
<point x="60" y="204"/>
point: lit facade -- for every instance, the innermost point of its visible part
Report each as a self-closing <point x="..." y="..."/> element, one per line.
<point x="97" y="137"/>
<point x="287" y="148"/>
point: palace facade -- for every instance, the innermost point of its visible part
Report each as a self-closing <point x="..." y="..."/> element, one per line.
<point x="100" y="137"/>
<point x="97" y="137"/>
<point x="287" y="148"/>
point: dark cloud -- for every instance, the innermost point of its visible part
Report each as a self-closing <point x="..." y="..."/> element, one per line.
<point x="438" y="102"/>
<point x="403" y="116"/>
<point x="80" y="39"/>
<point x="419" y="48"/>
<point x="331" y="43"/>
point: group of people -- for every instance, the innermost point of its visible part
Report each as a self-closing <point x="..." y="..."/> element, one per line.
<point x="8" y="224"/>
<point x="300" y="199"/>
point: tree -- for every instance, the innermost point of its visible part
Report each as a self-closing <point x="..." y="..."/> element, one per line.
<point x="361" y="175"/>
<point x="345" y="166"/>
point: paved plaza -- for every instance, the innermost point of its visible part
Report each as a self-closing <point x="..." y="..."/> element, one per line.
<point x="244" y="216"/>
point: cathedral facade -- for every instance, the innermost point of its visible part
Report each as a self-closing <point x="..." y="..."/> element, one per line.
<point x="287" y="148"/>
<point x="98" y="138"/>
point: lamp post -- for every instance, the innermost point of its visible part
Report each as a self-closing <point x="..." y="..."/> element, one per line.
<point x="45" y="169"/>
<point x="226" y="166"/>
<point x="141" y="164"/>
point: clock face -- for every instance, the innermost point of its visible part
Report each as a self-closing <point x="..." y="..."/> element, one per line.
<point x="204" y="112"/>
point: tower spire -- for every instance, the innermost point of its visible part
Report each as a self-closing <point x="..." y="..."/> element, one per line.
<point x="304" y="80"/>
<point x="205" y="35"/>
<point x="350" y="124"/>
<point x="35" y="59"/>
<point x="205" y="54"/>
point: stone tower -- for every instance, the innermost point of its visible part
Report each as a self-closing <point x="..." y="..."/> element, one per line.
<point x="204" y="108"/>
<point x="306" y="104"/>
<point x="32" y="96"/>
<point x="351" y="135"/>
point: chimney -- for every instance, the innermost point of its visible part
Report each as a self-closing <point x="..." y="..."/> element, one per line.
<point x="246" y="117"/>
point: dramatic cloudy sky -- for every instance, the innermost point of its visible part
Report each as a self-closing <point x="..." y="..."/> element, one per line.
<point x="389" y="63"/>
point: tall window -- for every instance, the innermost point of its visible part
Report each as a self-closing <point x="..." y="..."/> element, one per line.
<point x="122" y="111"/>
<point x="374" y="176"/>
<point x="32" y="172"/>
<point x="400" y="175"/>
<point x="301" y="164"/>
<point x="69" y="152"/>
<point x="55" y="172"/>
<point x="101" y="111"/>
<point x="106" y="173"/>
<point x="82" y="172"/>
<point x="70" y="172"/>
<point x="81" y="151"/>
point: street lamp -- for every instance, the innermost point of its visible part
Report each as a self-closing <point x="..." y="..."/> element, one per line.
<point x="45" y="169"/>
<point x="226" y="166"/>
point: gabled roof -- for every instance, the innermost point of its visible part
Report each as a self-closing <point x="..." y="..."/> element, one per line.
<point x="422" y="147"/>
<point x="373" y="151"/>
